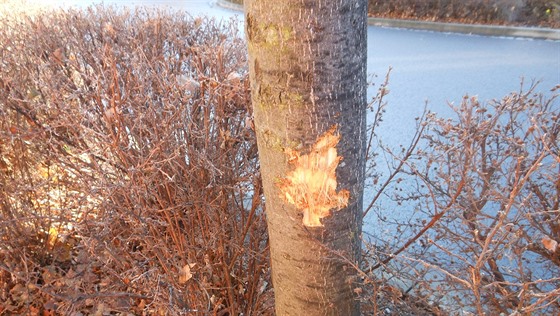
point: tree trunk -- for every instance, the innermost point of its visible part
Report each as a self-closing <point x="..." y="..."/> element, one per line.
<point x="307" y="62"/>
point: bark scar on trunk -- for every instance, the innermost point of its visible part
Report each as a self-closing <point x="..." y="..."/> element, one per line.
<point x="311" y="186"/>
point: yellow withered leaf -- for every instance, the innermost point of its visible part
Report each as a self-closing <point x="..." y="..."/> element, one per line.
<point x="185" y="274"/>
<point x="550" y="244"/>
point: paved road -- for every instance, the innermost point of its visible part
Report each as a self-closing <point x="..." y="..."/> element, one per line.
<point x="440" y="67"/>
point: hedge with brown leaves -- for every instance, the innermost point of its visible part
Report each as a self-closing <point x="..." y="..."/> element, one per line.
<point x="128" y="170"/>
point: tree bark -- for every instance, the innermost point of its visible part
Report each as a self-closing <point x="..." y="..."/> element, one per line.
<point x="307" y="61"/>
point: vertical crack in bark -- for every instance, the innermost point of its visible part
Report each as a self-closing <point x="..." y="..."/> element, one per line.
<point x="311" y="186"/>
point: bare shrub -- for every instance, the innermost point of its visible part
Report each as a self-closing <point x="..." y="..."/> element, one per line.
<point x="504" y="160"/>
<point x="483" y="237"/>
<point x="540" y="12"/>
<point x="129" y="177"/>
<point x="520" y="12"/>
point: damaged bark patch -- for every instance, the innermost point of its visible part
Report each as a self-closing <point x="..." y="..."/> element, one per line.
<point x="311" y="186"/>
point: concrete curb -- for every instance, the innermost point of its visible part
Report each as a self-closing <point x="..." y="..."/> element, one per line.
<point x="486" y="30"/>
